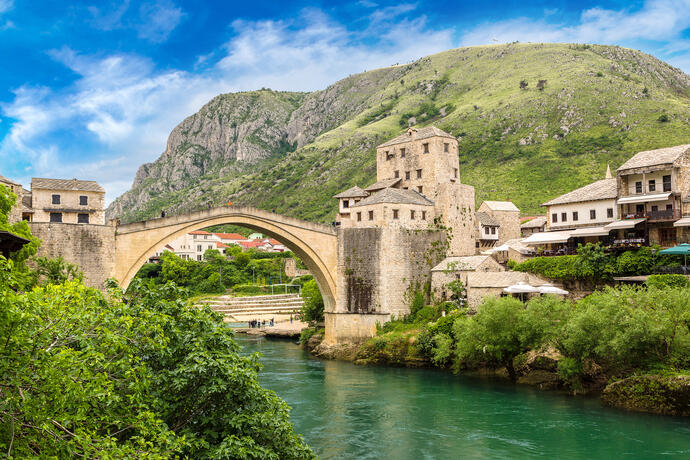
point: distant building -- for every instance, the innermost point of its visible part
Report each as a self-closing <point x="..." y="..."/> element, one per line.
<point x="505" y="215"/>
<point x="536" y="225"/>
<point x="68" y="201"/>
<point x="231" y="238"/>
<point x="458" y="268"/>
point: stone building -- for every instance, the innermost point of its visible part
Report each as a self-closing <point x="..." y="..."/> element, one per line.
<point x="487" y="230"/>
<point x="507" y="217"/>
<point x="68" y="201"/>
<point x="393" y="232"/>
<point x="458" y="268"/>
<point x="536" y="225"/>
<point x="491" y="284"/>
<point x="654" y="192"/>
<point x="14" y="187"/>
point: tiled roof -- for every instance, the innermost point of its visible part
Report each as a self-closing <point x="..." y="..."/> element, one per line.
<point x="603" y="189"/>
<point x="395" y="196"/>
<point x="273" y="241"/>
<point x="486" y="220"/>
<point x="230" y="236"/>
<point x="655" y="157"/>
<point x="495" y="279"/>
<point x="7" y="181"/>
<point x="354" y="192"/>
<point x="413" y="134"/>
<point x="501" y="206"/>
<point x="534" y="223"/>
<point x="385" y="183"/>
<point x="467" y="263"/>
<point x="221" y="245"/>
<point x="66" y="184"/>
<point x="199" y="232"/>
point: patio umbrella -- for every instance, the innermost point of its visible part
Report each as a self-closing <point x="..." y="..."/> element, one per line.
<point x="551" y="289"/>
<point x="681" y="249"/>
<point x="520" y="288"/>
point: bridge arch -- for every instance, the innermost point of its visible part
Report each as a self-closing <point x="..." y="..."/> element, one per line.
<point x="315" y="244"/>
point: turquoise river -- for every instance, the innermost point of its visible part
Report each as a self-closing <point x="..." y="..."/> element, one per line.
<point x="354" y="412"/>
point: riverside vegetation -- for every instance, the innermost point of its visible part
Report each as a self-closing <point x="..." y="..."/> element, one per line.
<point x="630" y="343"/>
<point x="112" y="375"/>
<point x="519" y="139"/>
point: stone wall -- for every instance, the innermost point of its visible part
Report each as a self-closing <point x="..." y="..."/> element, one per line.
<point x="378" y="268"/>
<point x="455" y="206"/>
<point x="16" y="211"/>
<point x="91" y="247"/>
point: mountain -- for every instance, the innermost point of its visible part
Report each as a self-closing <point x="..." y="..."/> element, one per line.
<point x="533" y="121"/>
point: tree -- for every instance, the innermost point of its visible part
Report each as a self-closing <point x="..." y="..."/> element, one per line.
<point x="523" y="84"/>
<point x="57" y="270"/>
<point x="500" y="331"/>
<point x="312" y="310"/>
<point x="140" y="376"/>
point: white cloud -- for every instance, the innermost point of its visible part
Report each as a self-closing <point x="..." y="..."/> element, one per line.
<point x="158" y="20"/>
<point x="656" y="20"/>
<point x="121" y="108"/>
<point x="6" y="5"/>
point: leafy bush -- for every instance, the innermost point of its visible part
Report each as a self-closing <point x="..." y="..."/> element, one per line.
<point x="417" y="303"/>
<point x="442" y="350"/>
<point x="312" y="310"/>
<point x="667" y="281"/>
<point x="139" y="376"/>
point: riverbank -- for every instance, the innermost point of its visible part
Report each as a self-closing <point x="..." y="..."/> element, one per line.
<point x="285" y="329"/>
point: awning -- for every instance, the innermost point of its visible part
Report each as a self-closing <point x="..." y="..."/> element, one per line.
<point x="619" y="224"/>
<point x="590" y="231"/>
<point x="547" y="237"/>
<point x="644" y="198"/>
<point x="684" y="222"/>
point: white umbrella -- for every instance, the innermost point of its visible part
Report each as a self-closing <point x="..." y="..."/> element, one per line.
<point x="520" y="288"/>
<point x="551" y="289"/>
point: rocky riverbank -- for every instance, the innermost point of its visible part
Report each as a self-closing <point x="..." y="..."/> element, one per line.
<point x="284" y="330"/>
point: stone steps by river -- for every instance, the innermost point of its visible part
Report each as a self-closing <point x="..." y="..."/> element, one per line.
<point x="279" y="306"/>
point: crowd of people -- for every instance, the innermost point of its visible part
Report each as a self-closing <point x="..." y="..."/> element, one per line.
<point x="257" y="323"/>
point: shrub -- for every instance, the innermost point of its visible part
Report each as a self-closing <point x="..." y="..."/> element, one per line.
<point x="442" y="350"/>
<point x="312" y="309"/>
<point x="417" y="303"/>
<point x="663" y="118"/>
<point x="667" y="281"/>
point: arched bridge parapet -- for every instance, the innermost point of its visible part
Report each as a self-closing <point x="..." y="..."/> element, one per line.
<point x="315" y="244"/>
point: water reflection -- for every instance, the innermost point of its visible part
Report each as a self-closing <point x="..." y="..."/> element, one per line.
<point x="347" y="411"/>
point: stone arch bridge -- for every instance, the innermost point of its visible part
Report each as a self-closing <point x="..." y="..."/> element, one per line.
<point x="315" y="244"/>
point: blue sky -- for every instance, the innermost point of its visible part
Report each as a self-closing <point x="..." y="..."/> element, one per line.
<point x="91" y="89"/>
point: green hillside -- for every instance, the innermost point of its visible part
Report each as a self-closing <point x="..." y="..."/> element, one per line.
<point x="596" y="105"/>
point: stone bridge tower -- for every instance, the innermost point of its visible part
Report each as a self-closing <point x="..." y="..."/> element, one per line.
<point x="394" y="231"/>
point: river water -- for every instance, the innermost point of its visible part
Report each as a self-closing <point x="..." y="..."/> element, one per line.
<point x="354" y="412"/>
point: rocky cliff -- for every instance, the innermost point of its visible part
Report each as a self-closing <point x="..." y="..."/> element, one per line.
<point x="533" y="121"/>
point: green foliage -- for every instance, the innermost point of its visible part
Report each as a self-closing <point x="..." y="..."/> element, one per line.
<point x="312" y="310"/>
<point x="88" y="375"/>
<point x="667" y="281"/>
<point x="307" y="334"/>
<point x="57" y="271"/>
<point x="558" y="267"/>
<point x="23" y="275"/>
<point x="442" y="350"/>
<point x="593" y="262"/>
<point x="418" y="302"/>
<point x="663" y="118"/>
<point x="457" y="289"/>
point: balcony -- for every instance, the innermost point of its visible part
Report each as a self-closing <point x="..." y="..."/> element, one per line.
<point x="652" y="216"/>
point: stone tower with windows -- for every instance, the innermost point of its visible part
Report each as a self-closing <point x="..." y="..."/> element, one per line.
<point x="394" y="231"/>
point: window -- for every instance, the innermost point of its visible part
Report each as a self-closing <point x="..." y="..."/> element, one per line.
<point x="205" y="237"/>
<point x="575" y="216"/>
<point x="486" y="230"/>
<point x="359" y="217"/>
<point x="371" y="215"/>
<point x="83" y="200"/>
<point x="346" y="203"/>
<point x="198" y="248"/>
<point x="395" y="214"/>
<point x="445" y="147"/>
<point x="426" y="147"/>
<point x="655" y="208"/>
<point x="198" y="257"/>
<point x="554" y="217"/>
<point x="639" y="209"/>
<point x="669" y="207"/>
<point x="667" y="183"/>
<point x="389" y="156"/>
<point x="210" y="246"/>
<point x="423" y="215"/>
<point x="412" y="214"/>
<point x="419" y="174"/>
<point x="592" y="214"/>
<point x="493" y="230"/>
<point x="56" y="199"/>
<point x="609" y="213"/>
<point x="638" y="187"/>
<point x="652" y="185"/>
<point x="407" y="175"/>
<point x="56" y="216"/>
<point x="396" y="173"/>
<point x="419" y="188"/>
<point x="564" y="217"/>
<point x="455" y="172"/>
<point x="402" y="153"/>
<point x="82" y="218"/>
